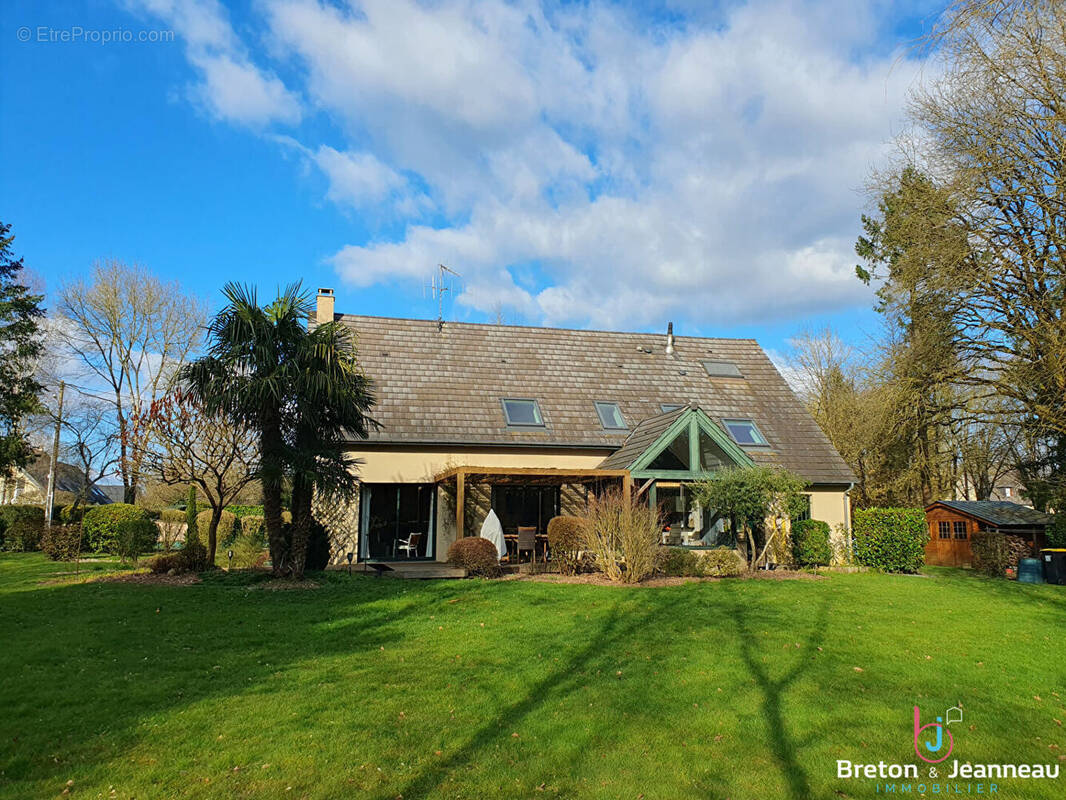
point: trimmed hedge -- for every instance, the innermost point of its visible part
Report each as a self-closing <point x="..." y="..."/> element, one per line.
<point x="20" y="527"/>
<point x="476" y="555"/>
<point x="100" y="525"/>
<point x="810" y="543"/>
<point x="890" y="539"/>
<point x="565" y="541"/>
<point x="688" y="563"/>
<point x="62" y="542"/>
<point x="240" y="512"/>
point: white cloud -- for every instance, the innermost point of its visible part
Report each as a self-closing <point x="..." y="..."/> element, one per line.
<point x="707" y="171"/>
<point x="232" y="88"/>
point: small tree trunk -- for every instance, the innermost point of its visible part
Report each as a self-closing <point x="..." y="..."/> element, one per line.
<point x="270" y="476"/>
<point x="301" y="524"/>
<point x="212" y="534"/>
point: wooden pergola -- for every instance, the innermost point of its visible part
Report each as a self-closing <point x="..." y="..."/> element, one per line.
<point x="529" y="476"/>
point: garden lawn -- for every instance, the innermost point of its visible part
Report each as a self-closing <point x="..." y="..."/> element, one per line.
<point x="371" y="687"/>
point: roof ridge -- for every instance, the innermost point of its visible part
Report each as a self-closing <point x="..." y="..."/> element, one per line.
<point x="546" y="328"/>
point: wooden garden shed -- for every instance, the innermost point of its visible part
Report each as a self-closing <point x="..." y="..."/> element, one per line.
<point x="952" y="524"/>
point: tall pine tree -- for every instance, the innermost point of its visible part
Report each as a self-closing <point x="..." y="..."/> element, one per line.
<point x="20" y="346"/>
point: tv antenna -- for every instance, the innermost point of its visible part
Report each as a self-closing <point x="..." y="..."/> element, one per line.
<point x="439" y="284"/>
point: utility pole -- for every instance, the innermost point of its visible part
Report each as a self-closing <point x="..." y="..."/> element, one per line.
<point x="50" y="495"/>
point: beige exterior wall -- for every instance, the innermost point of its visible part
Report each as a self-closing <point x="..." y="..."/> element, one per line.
<point x="406" y="465"/>
<point x="833" y="505"/>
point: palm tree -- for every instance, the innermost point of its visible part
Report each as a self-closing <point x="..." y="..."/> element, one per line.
<point x="301" y="389"/>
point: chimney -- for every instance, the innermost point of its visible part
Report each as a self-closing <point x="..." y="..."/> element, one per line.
<point x="670" y="339"/>
<point x="324" y="306"/>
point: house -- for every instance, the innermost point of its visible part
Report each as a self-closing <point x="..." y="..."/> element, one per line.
<point x="527" y="421"/>
<point x="29" y="485"/>
<point x="952" y="523"/>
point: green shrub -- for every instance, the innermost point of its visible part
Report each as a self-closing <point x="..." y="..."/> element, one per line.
<point x="564" y="542"/>
<point x="135" y="536"/>
<point x="227" y="525"/>
<point x="10" y="515"/>
<point x="164" y="563"/>
<point x="253" y="525"/>
<point x="1056" y="531"/>
<point x="100" y="525"/>
<point x="71" y="514"/>
<point x="240" y="512"/>
<point x="810" y="543"/>
<point x="20" y="527"/>
<point x="249" y="550"/>
<point x="62" y="542"/>
<point x="476" y="555"/>
<point x="720" y="563"/>
<point x="677" y="562"/>
<point x="890" y="539"/>
<point x="317" y="557"/>
<point x="193" y="555"/>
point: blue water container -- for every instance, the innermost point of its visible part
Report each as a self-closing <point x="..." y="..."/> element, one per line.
<point x="1030" y="570"/>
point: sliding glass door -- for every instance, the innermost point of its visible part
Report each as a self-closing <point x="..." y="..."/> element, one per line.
<point x="397" y="521"/>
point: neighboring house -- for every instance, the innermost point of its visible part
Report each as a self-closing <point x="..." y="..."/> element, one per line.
<point x="115" y="492"/>
<point x="1008" y="488"/>
<point x="29" y="485"/>
<point x="528" y="420"/>
<point x="952" y="523"/>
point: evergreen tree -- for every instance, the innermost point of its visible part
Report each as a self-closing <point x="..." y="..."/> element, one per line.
<point x="20" y="346"/>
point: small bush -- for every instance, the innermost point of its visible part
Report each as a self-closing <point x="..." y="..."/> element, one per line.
<point x="249" y="550"/>
<point x="810" y="543"/>
<point x="476" y="555"/>
<point x="253" y="525"/>
<point x="165" y="563"/>
<point x="623" y="536"/>
<point x="100" y="525"/>
<point x="135" y="536"/>
<point x="62" y="542"/>
<point x="317" y="556"/>
<point x="564" y="542"/>
<point x="678" y="562"/>
<point x="890" y="539"/>
<point x="722" y="563"/>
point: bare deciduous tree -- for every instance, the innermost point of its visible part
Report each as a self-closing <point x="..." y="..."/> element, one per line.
<point x="188" y="446"/>
<point x="129" y="331"/>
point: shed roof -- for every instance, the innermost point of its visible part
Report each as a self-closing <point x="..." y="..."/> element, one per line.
<point x="443" y="385"/>
<point x="1001" y="514"/>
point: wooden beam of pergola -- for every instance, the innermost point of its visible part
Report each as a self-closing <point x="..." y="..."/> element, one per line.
<point x="464" y="475"/>
<point x="483" y="474"/>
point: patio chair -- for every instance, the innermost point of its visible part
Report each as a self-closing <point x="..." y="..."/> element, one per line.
<point x="527" y="540"/>
<point x="410" y="544"/>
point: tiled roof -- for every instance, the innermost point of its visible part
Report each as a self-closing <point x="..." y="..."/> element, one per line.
<point x="445" y="385"/>
<point x="1002" y="514"/>
<point x="68" y="478"/>
<point x="642" y="437"/>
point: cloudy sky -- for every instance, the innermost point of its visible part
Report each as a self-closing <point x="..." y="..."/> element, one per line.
<point x="586" y="164"/>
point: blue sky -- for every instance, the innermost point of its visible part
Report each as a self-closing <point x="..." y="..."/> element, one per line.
<point x="581" y="164"/>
